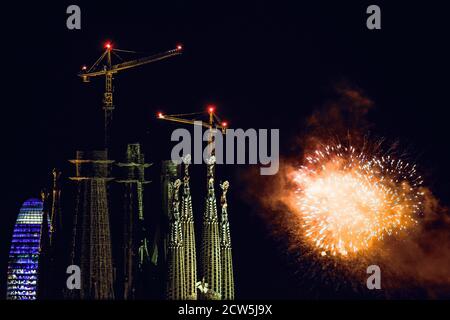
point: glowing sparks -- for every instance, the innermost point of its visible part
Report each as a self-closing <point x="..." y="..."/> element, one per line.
<point x="347" y="200"/>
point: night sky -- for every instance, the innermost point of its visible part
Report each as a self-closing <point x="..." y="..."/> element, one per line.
<point x="264" y="64"/>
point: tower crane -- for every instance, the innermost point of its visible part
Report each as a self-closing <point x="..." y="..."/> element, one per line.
<point x="104" y="67"/>
<point x="214" y="122"/>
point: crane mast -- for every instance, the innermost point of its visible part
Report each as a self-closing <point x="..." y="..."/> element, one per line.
<point x="104" y="67"/>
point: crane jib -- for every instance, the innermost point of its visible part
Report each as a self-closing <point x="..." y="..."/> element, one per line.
<point x="103" y="67"/>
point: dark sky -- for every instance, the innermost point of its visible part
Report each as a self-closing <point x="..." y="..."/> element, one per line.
<point x="265" y="64"/>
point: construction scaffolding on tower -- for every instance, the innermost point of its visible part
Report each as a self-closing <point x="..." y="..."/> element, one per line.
<point x="135" y="254"/>
<point x="91" y="249"/>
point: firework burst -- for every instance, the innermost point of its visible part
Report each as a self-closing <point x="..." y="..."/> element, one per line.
<point x="348" y="200"/>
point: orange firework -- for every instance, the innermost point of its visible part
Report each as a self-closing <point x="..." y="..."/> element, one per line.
<point x="348" y="200"/>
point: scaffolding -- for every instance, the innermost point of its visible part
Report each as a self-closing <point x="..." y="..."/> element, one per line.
<point x="135" y="243"/>
<point x="92" y="238"/>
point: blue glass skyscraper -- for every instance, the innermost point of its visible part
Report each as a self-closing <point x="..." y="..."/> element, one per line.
<point x="24" y="252"/>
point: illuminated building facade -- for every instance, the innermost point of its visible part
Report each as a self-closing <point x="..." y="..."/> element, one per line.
<point x="24" y="252"/>
<point x="216" y="279"/>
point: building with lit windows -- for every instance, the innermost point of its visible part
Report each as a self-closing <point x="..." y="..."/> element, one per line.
<point x="24" y="253"/>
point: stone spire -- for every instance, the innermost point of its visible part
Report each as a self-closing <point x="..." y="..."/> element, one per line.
<point x="211" y="268"/>
<point x="176" y="286"/>
<point x="187" y="227"/>
<point x="227" y="288"/>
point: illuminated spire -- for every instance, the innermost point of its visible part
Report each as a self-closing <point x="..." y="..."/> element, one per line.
<point x="176" y="286"/>
<point x="44" y="274"/>
<point x="51" y="245"/>
<point x="44" y="242"/>
<point x="55" y="214"/>
<point x="225" y="247"/>
<point x="187" y="226"/>
<point x="211" y="269"/>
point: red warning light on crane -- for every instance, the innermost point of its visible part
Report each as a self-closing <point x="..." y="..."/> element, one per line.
<point x="211" y="108"/>
<point x="108" y="45"/>
<point x="179" y="47"/>
<point x="224" y="124"/>
<point x="160" y="115"/>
